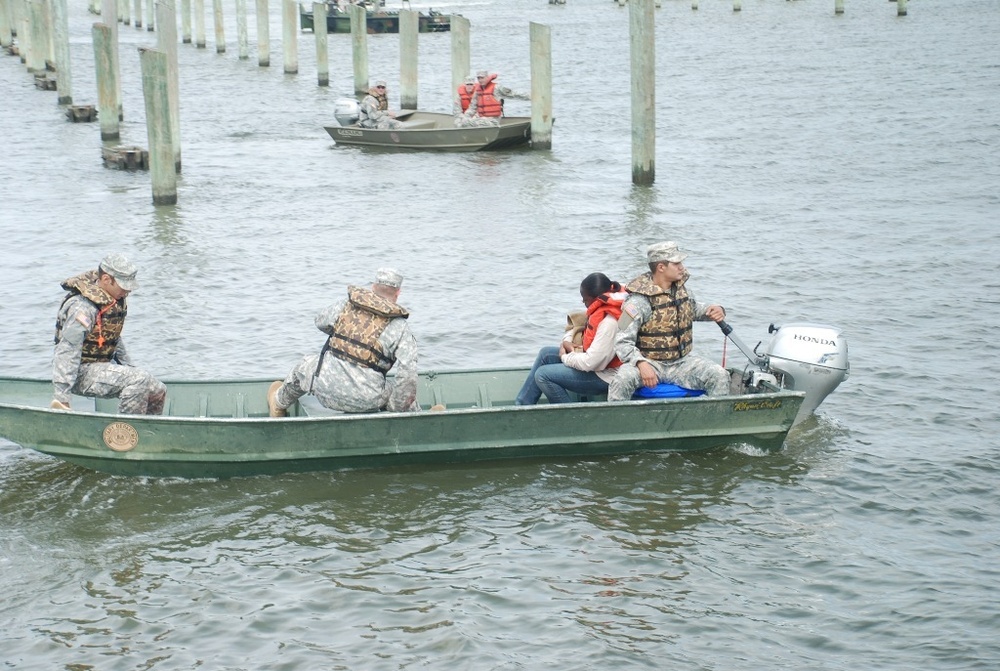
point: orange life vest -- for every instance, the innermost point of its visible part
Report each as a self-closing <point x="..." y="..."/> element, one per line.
<point x="487" y="104"/>
<point x="465" y="96"/>
<point x="603" y="306"/>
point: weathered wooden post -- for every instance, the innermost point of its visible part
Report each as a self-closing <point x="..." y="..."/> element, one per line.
<point x="737" y="5"/>
<point x="64" y="75"/>
<point x="694" y="4"/>
<point x="151" y="15"/>
<point x="838" y="7"/>
<point x="900" y="7"/>
<point x="104" y="61"/>
<point x="263" y="34"/>
<point x="186" y="21"/>
<point x="409" y="29"/>
<point x="359" y="47"/>
<point x="6" y="36"/>
<point x="242" y="36"/>
<point x="23" y="38"/>
<point x="322" y="50"/>
<point x="161" y="145"/>
<point x="198" y="8"/>
<point x="461" y="63"/>
<point x="50" y="47"/>
<point x="166" y="41"/>
<point x="109" y="17"/>
<point x="138" y="14"/>
<point x="38" y="47"/>
<point x="642" y="47"/>
<point x="220" y="27"/>
<point x="124" y="13"/>
<point x="541" y="86"/>
<point x="290" y="35"/>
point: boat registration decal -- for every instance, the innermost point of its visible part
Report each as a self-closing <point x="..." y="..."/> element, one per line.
<point x="350" y="133"/>
<point x="763" y="404"/>
<point x="120" y="437"/>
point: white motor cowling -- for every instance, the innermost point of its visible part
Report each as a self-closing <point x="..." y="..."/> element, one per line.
<point x="808" y="357"/>
<point x="347" y="111"/>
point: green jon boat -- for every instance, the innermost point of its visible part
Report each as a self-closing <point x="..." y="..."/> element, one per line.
<point x="219" y="429"/>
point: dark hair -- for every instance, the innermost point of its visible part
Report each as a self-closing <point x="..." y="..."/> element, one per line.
<point x="595" y="284"/>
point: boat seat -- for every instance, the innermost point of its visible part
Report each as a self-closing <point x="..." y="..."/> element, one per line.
<point x="418" y="125"/>
<point x="484" y="397"/>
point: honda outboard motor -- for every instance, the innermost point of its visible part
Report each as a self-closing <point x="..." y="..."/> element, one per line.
<point x="810" y="358"/>
<point x="347" y="111"/>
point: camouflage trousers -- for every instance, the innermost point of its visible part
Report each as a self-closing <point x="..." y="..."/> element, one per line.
<point x="462" y="121"/>
<point x="690" y="372"/>
<point x="339" y="385"/>
<point x="384" y="124"/>
<point x="138" y="392"/>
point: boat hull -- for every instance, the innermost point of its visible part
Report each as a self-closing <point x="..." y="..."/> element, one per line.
<point x="430" y="131"/>
<point x="221" y="429"/>
<point x="378" y="21"/>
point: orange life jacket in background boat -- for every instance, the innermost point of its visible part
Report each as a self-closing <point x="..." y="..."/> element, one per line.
<point x="465" y="96"/>
<point x="487" y="104"/>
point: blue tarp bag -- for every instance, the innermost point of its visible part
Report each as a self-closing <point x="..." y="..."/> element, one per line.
<point x="666" y="390"/>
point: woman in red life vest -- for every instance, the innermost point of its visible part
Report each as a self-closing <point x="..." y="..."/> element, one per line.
<point x="586" y="370"/>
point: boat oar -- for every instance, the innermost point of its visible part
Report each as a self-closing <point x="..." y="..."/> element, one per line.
<point x="727" y="330"/>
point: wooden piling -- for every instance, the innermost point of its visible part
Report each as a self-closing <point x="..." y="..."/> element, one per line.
<point x="737" y="6"/>
<point x="322" y="47"/>
<point x="263" y="35"/>
<point x="900" y="7"/>
<point x="642" y="48"/>
<point x="541" y="86"/>
<point x="38" y="40"/>
<point x="242" y="35"/>
<point x="138" y="14"/>
<point x="151" y="16"/>
<point x="107" y="102"/>
<point x="78" y="113"/>
<point x="838" y="7"/>
<point x="125" y="158"/>
<point x="359" y="47"/>
<point x="186" y="21"/>
<point x="694" y="4"/>
<point x="60" y="40"/>
<point x="166" y="41"/>
<point x="461" y="63"/>
<point x="290" y="35"/>
<point x="409" y="29"/>
<point x="161" y="154"/>
<point x="198" y="9"/>
<point x="220" y="27"/>
<point x="109" y="13"/>
<point x="6" y="36"/>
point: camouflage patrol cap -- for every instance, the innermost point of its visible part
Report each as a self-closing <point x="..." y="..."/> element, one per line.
<point x="380" y="82"/>
<point x="483" y="73"/>
<point x="470" y="80"/>
<point x="119" y="267"/>
<point x="388" y="277"/>
<point x="664" y="251"/>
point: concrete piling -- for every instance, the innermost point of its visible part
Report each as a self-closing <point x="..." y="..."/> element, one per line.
<point x="263" y="35"/>
<point x="322" y="47"/>
<point x="242" y="35"/>
<point x="6" y="36"/>
<point x="109" y="13"/>
<point x="409" y="29"/>
<point x="220" y="27"/>
<point x="198" y="9"/>
<point x="37" y="43"/>
<point x="60" y="40"/>
<point x="838" y="7"/>
<point x="359" y="47"/>
<point x="107" y="102"/>
<point x="166" y="41"/>
<point x="461" y="62"/>
<point x="290" y="36"/>
<point x="186" y="21"/>
<point x="900" y="7"/>
<point x="161" y="153"/>
<point x="541" y="86"/>
<point x="642" y="49"/>
<point x="151" y="16"/>
<point x="138" y="14"/>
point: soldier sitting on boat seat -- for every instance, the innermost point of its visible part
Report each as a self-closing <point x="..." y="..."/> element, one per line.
<point x="374" y="112"/>
<point x="368" y="336"/>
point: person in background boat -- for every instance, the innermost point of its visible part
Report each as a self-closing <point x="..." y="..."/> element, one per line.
<point x="655" y="331"/>
<point x="369" y="335"/>
<point x="374" y="112"/>
<point x="90" y="358"/>
<point x="488" y="97"/>
<point x="586" y="368"/>
<point x="465" y="112"/>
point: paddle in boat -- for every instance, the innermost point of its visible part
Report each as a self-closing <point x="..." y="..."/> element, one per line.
<point x="221" y="428"/>
<point x="431" y="131"/>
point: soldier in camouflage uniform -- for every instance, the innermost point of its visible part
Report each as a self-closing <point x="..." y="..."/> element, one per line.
<point x="369" y="335"/>
<point x="655" y="332"/>
<point x="90" y="358"/>
<point x="374" y="111"/>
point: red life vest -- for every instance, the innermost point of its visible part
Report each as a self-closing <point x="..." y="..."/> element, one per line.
<point x="465" y="96"/>
<point x="487" y="104"/>
<point x="605" y="305"/>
